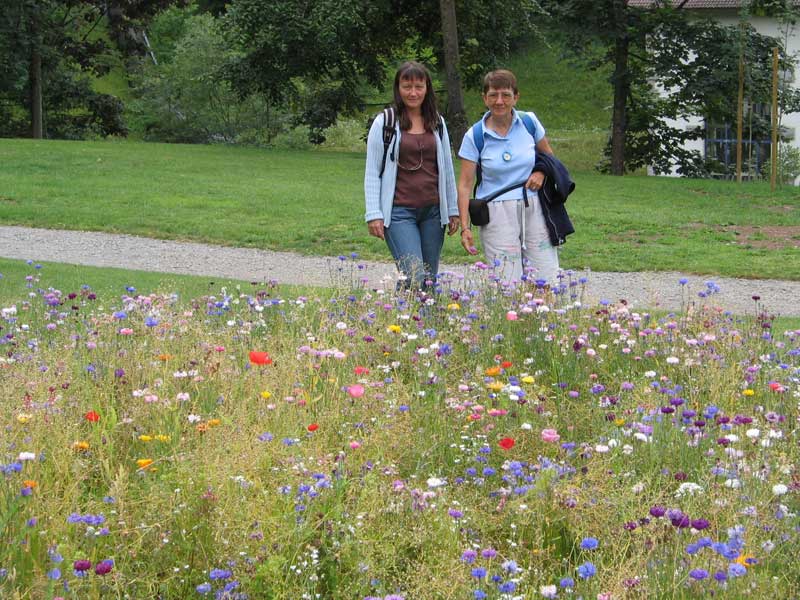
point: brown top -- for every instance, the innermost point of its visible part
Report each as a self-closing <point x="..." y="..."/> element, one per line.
<point x="417" y="183"/>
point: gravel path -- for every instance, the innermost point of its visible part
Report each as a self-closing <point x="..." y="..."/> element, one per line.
<point x="646" y="289"/>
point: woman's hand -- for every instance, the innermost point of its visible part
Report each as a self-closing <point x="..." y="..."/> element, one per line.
<point x="454" y="224"/>
<point x="376" y="228"/>
<point x="468" y="242"/>
<point x="535" y="181"/>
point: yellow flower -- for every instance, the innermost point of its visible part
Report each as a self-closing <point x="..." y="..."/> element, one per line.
<point x="528" y="379"/>
<point x="266" y="395"/>
<point x="619" y="422"/>
<point x="746" y="560"/>
<point x="24" y="417"/>
<point x="748" y="392"/>
<point x="80" y="446"/>
<point x="453" y="306"/>
<point x="143" y="463"/>
<point x="394" y="329"/>
<point x="146" y="438"/>
<point x="213" y="422"/>
<point x="495" y="386"/>
<point x="162" y="438"/>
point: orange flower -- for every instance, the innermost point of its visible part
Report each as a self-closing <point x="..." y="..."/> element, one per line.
<point x="164" y="357"/>
<point x="493" y="371"/>
<point x="213" y="422"/>
<point x="80" y="446"/>
<point x="202" y="427"/>
<point x="260" y="358"/>
<point x="143" y="463"/>
<point x="29" y="483"/>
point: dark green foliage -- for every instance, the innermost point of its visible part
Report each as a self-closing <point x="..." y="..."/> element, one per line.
<point x="340" y="48"/>
<point x="696" y="61"/>
<point x="62" y="36"/>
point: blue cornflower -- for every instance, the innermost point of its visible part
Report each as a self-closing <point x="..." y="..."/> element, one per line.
<point x="219" y="574"/>
<point x="567" y="582"/>
<point x="736" y="570"/>
<point x="478" y="572"/>
<point x="479" y="594"/>
<point x="54" y="574"/>
<point x="203" y="588"/>
<point x="151" y="321"/>
<point x="469" y="556"/>
<point x="587" y="570"/>
<point x="589" y="543"/>
<point x="507" y="587"/>
<point x="698" y="574"/>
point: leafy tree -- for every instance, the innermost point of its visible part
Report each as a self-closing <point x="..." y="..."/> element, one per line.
<point x="340" y="49"/>
<point x="49" y="50"/>
<point x="186" y="98"/>
<point x="693" y="62"/>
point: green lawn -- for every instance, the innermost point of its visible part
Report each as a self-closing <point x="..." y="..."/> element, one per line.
<point x="312" y="202"/>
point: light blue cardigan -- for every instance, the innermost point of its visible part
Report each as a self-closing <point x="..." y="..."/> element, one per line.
<point x="379" y="191"/>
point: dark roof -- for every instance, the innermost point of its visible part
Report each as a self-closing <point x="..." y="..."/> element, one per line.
<point x="698" y="3"/>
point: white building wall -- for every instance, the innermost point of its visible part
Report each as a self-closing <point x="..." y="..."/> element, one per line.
<point x="765" y="26"/>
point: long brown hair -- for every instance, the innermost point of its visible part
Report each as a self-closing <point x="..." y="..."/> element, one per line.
<point x="430" y="115"/>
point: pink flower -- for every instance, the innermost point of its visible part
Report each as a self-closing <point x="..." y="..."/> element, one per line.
<point x="511" y="316"/>
<point x="355" y="445"/>
<point x="356" y="390"/>
<point x="550" y="436"/>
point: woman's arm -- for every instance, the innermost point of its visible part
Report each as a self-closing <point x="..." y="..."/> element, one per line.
<point x="465" y="182"/>
<point x="372" y="178"/>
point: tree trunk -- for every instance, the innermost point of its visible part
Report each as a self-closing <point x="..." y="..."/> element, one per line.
<point x="35" y="80"/>
<point x="456" y="118"/>
<point x="622" y="85"/>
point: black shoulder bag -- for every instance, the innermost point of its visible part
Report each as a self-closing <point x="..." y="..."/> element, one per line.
<point x="479" y="207"/>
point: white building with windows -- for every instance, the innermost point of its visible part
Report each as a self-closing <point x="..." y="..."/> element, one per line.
<point x="720" y="141"/>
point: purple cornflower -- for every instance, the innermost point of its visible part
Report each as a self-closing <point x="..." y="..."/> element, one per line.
<point x="698" y="574"/>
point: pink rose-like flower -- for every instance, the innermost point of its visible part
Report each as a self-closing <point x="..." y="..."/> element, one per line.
<point x="550" y="436"/>
<point x="356" y="391"/>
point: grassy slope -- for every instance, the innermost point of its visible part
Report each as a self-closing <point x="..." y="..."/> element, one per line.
<point x="312" y="202"/>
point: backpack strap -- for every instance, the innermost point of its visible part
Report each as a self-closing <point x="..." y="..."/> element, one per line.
<point x="389" y="123"/>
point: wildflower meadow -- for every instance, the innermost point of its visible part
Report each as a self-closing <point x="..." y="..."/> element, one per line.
<point x="475" y="441"/>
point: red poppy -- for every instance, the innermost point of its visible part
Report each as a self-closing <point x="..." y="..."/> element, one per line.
<point x="506" y="443"/>
<point x="92" y="416"/>
<point x="361" y="370"/>
<point x="313" y="427"/>
<point x="506" y="364"/>
<point x="260" y="358"/>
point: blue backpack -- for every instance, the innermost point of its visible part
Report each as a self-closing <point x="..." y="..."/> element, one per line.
<point x="477" y="136"/>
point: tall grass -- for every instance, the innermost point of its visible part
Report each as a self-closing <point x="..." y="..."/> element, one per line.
<point x="480" y="442"/>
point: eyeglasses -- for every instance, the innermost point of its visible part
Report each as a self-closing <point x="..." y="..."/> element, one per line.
<point x="506" y="95"/>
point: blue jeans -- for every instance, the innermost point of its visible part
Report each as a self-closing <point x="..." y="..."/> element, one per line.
<point x="415" y="238"/>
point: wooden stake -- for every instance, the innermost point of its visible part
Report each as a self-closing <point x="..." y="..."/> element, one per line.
<point x="740" y="107"/>
<point x="773" y="176"/>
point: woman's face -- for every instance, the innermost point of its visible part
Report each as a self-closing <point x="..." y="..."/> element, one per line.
<point x="412" y="92"/>
<point x="500" y="102"/>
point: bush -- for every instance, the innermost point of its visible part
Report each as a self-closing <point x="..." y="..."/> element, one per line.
<point x="788" y="164"/>
<point x="188" y="99"/>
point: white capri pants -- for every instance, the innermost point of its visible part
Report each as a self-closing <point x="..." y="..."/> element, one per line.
<point x="517" y="238"/>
